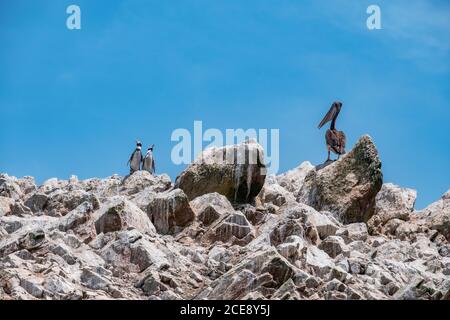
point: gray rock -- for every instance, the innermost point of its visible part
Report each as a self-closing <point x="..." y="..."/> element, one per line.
<point x="318" y="261"/>
<point x="392" y="202"/>
<point x="353" y="232"/>
<point x="233" y="227"/>
<point x="436" y="216"/>
<point x="276" y="194"/>
<point x="237" y="172"/>
<point x="120" y="214"/>
<point x="210" y="207"/>
<point x="9" y="187"/>
<point x="37" y="202"/>
<point x="170" y="211"/>
<point x="93" y="280"/>
<point x="144" y="180"/>
<point x="333" y="246"/>
<point x="292" y="180"/>
<point x="348" y="186"/>
<point x="5" y="205"/>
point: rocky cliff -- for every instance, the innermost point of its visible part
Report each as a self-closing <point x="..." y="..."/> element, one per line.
<point x="225" y="231"/>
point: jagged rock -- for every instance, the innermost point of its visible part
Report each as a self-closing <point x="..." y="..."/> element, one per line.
<point x="5" y="205"/>
<point x="132" y="247"/>
<point x="9" y="187"/>
<point x="255" y="215"/>
<point x="412" y="291"/>
<point x="60" y="202"/>
<point x="80" y="221"/>
<point x="141" y="180"/>
<point x="59" y="287"/>
<point x="37" y="202"/>
<point x="210" y="207"/>
<point x="120" y="214"/>
<point x="102" y="188"/>
<point x="436" y="216"/>
<point x="94" y="280"/>
<point x="218" y="255"/>
<point x="151" y="283"/>
<point x="291" y="248"/>
<point x="324" y="225"/>
<point x="27" y="184"/>
<point x="287" y="291"/>
<point x="318" y="261"/>
<point x="348" y="186"/>
<point x="51" y="185"/>
<point x="276" y="194"/>
<point x="18" y="208"/>
<point x="237" y="172"/>
<point x="293" y="179"/>
<point x="392" y="202"/>
<point x="284" y="230"/>
<point x="333" y="246"/>
<point x="353" y="232"/>
<point x="273" y="269"/>
<point x="170" y="211"/>
<point x="233" y="227"/>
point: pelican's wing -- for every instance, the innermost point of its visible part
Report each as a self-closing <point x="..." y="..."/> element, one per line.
<point x="328" y="117"/>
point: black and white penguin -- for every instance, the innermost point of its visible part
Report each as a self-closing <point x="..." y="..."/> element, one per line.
<point x="148" y="164"/>
<point x="136" y="158"/>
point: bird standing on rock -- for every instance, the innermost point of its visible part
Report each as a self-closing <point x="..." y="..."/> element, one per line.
<point x="148" y="164"/>
<point x="335" y="139"/>
<point x="136" y="158"/>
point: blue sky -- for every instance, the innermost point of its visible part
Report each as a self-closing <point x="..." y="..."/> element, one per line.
<point x="74" y="102"/>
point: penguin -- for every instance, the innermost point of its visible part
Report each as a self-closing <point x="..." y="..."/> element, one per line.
<point x="148" y="164"/>
<point x="136" y="158"/>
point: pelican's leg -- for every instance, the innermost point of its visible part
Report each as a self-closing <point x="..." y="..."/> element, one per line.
<point x="329" y="148"/>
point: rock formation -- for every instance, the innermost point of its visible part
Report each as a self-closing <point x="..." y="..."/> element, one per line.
<point x="225" y="231"/>
<point x="236" y="171"/>
<point x="349" y="186"/>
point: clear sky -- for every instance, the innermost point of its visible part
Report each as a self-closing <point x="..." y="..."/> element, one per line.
<point x="75" y="101"/>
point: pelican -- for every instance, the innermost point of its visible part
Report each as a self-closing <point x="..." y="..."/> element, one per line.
<point x="335" y="139"/>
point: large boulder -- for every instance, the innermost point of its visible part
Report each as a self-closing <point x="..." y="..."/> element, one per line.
<point x="121" y="214"/>
<point x="170" y="211"/>
<point x="392" y="202"/>
<point x="347" y="186"/>
<point x="236" y="171"/>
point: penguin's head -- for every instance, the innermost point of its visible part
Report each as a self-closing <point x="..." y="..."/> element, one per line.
<point x="151" y="148"/>
<point x="138" y="143"/>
